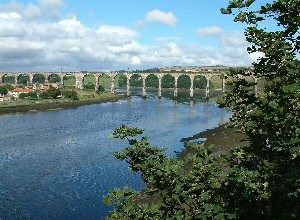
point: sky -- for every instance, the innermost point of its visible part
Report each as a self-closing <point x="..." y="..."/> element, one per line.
<point x="108" y="35"/>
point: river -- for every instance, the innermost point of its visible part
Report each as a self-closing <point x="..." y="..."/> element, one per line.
<point x="59" y="164"/>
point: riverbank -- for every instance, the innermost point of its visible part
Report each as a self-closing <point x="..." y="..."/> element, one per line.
<point x="51" y="105"/>
<point x="222" y="137"/>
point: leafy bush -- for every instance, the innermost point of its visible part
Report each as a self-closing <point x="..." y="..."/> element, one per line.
<point x="70" y="94"/>
<point x="32" y="95"/>
<point x="101" y="89"/>
<point x="3" y="90"/>
<point x="8" y="87"/>
<point x="53" y="92"/>
<point x="89" y="86"/>
<point x="45" y="95"/>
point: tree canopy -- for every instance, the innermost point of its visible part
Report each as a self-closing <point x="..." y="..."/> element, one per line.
<point x="260" y="181"/>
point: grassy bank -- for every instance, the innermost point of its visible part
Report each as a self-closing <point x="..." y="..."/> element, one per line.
<point x="85" y="98"/>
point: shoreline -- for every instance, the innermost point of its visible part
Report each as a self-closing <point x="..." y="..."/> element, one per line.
<point x="222" y="137"/>
<point x="55" y="105"/>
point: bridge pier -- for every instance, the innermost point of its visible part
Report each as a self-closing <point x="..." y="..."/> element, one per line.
<point x="62" y="82"/>
<point x="112" y="89"/>
<point x="192" y="87"/>
<point x="144" y="86"/>
<point x="207" y="87"/>
<point x="223" y="84"/>
<point x="159" y="86"/>
<point x="47" y="79"/>
<point x="176" y="87"/>
<point x="96" y="84"/>
<point x="128" y="85"/>
<point x="79" y="82"/>
<point x="30" y="79"/>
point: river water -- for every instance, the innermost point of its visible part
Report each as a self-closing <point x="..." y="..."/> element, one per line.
<point x="59" y="164"/>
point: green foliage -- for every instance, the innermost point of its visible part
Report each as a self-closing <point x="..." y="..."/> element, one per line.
<point x="265" y="176"/>
<point x="89" y="86"/>
<point x="32" y="95"/>
<point x="168" y="81"/>
<point x="256" y="182"/>
<point x="152" y="81"/>
<point x="52" y="93"/>
<point x="200" y="82"/>
<point x="44" y="95"/>
<point x="136" y="81"/>
<point x="105" y="81"/>
<point x="3" y="90"/>
<point x="23" y="79"/>
<point x="71" y="94"/>
<point x="122" y="81"/>
<point x="8" y="87"/>
<point x="29" y="95"/>
<point x="38" y="78"/>
<point x="101" y="89"/>
<point x="183" y="193"/>
<point x="23" y="95"/>
<point x="9" y="79"/>
<point x="54" y="78"/>
<point x="184" y="82"/>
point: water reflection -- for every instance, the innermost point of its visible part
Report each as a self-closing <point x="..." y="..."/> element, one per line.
<point x="59" y="164"/>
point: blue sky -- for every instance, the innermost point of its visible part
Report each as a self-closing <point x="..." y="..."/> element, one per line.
<point x="43" y="35"/>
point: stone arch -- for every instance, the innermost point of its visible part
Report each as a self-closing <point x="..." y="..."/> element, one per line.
<point x="89" y="81"/>
<point x="105" y="80"/>
<point x="152" y="81"/>
<point x="6" y="78"/>
<point x="38" y="78"/>
<point x="168" y="81"/>
<point x="69" y="80"/>
<point x="54" y="78"/>
<point x="184" y="82"/>
<point x="199" y="82"/>
<point x="136" y="80"/>
<point x="215" y="82"/>
<point x="121" y="80"/>
<point x="23" y="79"/>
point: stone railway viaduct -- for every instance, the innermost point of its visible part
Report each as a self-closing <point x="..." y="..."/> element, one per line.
<point x="79" y="76"/>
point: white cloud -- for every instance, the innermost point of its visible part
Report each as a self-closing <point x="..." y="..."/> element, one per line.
<point x="11" y="25"/>
<point x="28" y="45"/>
<point x="32" y="12"/>
<point x="135" y="60"/>
<point x="51" y="3"/>
<point x="209" y="31"/>
<point x="159" y="17"/>
<point x="163" y="39"/>
<point x="119" y="30"/>
<point x="44" y="8"/>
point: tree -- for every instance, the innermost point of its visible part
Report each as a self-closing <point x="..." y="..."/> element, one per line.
<point x="101" y="89"/>
<point x="152" y="81"/>
<point x="54" y="78"/>
<point x="23" y="79"/>
<point x="44" y="95"/>
<point x="256" y="182"/>
<point x="8" y="87"/>
<point x="53" y="92"/>
<point x="265" y="176"/>
<point x="38" y="78"/>
<point x="3" y="90"/>
<point x="122" y="81"/>
<point x="70" y="94"/>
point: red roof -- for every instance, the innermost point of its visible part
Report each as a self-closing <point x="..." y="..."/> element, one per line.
<point x="24" y="90"/>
